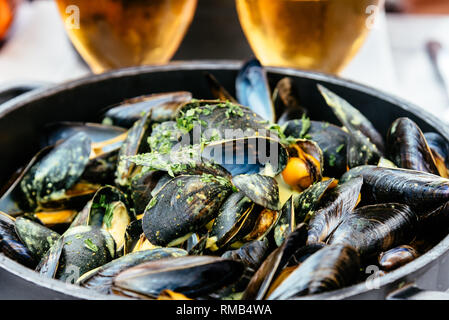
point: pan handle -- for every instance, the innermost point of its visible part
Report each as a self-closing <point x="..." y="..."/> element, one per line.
<point x="412" y="292"/>
<point x="11" y="91"/>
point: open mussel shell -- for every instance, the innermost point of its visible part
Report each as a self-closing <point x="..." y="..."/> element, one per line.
<point x="286" y="222"/>
<point x="274" y="264"/>
<point x="135" y="143"/>
<point x="331" y="139"/>
<point x="299" y="208"/>
<point x="330" y="268"/>
<point x="193" y="276"/>
<point x="142" y="184"/>
<point x="438" y="144"/>
<point x="218" y="91"/>
<point x="12" y="200"/>
<point x="182" y="206"/>
<point x="304" y="166"/>
<point x="36" y="237"/>
<point x="49" y="264"/>
<point x="397" y="257"/>
<point x="376" y="228"/>
<point x="253" y="90"/>
<point x="59" y="131"/>
<point x="308" y="201"/>
<point x="10" y="244"/>
<point x="408" y="148"/>
<point x="235" y="212"/>
<point x="248" y="155"/>
<point x="262" y="190"/>
<point x="163" y="107"/>
<point x="80" y="250"/>
<point x="287" y="101"/>
<point x="252" y="255"/>
<point x="110" y="210"/>
<point x="217" y="120"/>
<point x="332" y="209"/>
<point x="351" y="118"/>
<point x="415" y="188"/>
<point x="101" y="278"/>
<point x="48" y="181"/>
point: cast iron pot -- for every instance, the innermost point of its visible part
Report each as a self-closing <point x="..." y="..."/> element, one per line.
<point x="22" y="117"/>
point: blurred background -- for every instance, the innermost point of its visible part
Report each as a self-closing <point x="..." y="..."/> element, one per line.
<point x="404" y="53"/>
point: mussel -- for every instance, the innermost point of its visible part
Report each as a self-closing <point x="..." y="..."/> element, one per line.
<point x="333" y="208"/>
<point x="396" y="257"/>
<point x="376" y="228"/>
<point x="182" y="206"/>
<point x="192" y="276"/>
<point x="101" y="278"/>
<point x="330" y="268"/>
<point x="408" y="148"/>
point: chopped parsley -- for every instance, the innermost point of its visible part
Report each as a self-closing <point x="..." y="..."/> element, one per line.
<point x="332" y="160"/>
<point x="90" y="245"/>
<point x="339" y="148"/>
<point x="305" y="126"/>
<point x="152" y="203"/>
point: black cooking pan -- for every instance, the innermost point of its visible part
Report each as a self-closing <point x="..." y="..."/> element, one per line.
<point x="21" y="120"/>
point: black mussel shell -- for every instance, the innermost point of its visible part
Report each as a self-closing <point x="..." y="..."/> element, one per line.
<point x="193" y="276"/>
<point x="333" y="207"/>
<point x="331" y="139"/>
<point x="253" y="90"/>
<point x="260" y="189"/>
<point x="10" y="244"/>
<point x="218" y="91"/>
<point x="351" y="118"/>
<point x="439" y="145"/>
<point x="163" y="107"/>
<point x="397" y="257"/>
<point x="415" y="188"/>
<point x="376" y="228"/>
<point x="182" y="206"/>
<point x="142" y="184"/>
<point x="101" y="278"/>
<point x="274" y="264"/>
<point x="408" y="148"/>
<point x="287" y="102"/>
<point x="83" y="249"/>
<point x="49" y="179"/>
<point x="328" y="269"/>
<point x="110" y="210"/>
<point x="60" y="131"/>
<point x="36" y="237"/>
<point x="135" y="143"/>
<point x="232" y="216"/>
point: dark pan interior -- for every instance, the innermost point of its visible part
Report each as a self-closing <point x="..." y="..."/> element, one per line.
<point x="22" y="118"/>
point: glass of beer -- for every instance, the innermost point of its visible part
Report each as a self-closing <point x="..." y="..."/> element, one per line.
<point x="321" y="35"/>
<point x="7" y="11"/>
<point x="111" y="34"/>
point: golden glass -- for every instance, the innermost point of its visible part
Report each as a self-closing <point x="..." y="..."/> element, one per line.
<point x="112" y="34"/>
<point x="322" y="35"/>
<point x="7" y="12"/>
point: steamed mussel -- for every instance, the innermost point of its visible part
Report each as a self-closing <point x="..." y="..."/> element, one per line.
<point x="241" y="197"/>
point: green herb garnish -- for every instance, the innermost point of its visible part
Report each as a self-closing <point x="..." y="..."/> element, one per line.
<point x="90" y="245"/>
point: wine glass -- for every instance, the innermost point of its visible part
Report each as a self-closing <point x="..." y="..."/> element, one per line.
<point x="112" y="34"/>
<point x="321" y="35"/>
<point x="7" y="12"/>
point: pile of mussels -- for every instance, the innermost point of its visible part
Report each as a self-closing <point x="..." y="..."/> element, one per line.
<point x="158" y="202"/>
